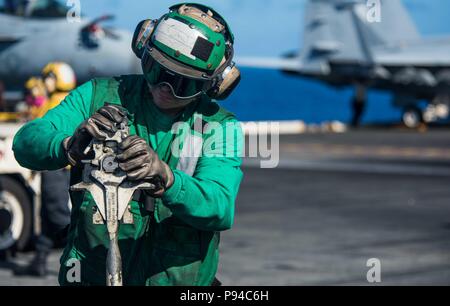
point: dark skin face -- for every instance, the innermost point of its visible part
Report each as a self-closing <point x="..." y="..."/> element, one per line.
<point x="166" y="102"/>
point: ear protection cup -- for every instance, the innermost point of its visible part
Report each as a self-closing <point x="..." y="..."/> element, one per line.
<point x="141" y="36"/>
<point x="229" y="81"/>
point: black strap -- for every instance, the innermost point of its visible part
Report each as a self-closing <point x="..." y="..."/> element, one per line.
<point x="216" y="282"/>
<point x="142" y="197"/>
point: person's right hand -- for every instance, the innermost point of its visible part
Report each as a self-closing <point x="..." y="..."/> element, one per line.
<point x="100" y="124"/>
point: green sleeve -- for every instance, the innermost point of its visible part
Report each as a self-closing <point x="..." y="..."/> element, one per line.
<point x="206" y="200"/>
<point x="37" y="145"/>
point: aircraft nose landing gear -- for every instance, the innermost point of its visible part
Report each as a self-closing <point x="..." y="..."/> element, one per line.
<point x="412" y="117"/>
<point x="359" y="104"/>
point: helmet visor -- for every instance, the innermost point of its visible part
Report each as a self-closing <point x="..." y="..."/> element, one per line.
<point x="182" y="86"/>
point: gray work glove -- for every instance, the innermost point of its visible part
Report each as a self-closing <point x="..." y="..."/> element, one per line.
<point x="101" y="123"/>
<point x="140" y="162"/>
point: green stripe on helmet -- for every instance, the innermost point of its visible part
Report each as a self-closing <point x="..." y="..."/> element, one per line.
<point x="216" y="39"/>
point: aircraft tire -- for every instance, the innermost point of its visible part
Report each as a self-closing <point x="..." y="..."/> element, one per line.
<point x="15" y="215"/>
<point x="443" y="88"/>
<point x="443" y="78"/>
<point x="412" y="117"/>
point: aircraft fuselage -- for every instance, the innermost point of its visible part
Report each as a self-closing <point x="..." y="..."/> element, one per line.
<point x="27" y="45"/>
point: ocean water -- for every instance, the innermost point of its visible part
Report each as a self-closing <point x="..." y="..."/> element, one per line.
<point x="266" y="95"/>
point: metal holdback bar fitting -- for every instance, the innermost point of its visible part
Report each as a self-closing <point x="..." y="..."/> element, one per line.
<point x="112" y="193"/>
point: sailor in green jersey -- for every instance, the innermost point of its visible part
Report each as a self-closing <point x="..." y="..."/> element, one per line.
<point x="186" y="59"/>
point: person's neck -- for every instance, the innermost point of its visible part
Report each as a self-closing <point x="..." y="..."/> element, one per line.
<point x="171" y="112"/>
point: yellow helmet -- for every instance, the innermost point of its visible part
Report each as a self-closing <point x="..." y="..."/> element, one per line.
<point x="63" y="73"/>
<point x="35" y="92"/>
<point x="35" y="86"/>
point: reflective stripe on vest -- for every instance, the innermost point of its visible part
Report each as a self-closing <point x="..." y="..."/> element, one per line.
<point x="192" y="148"/>
<point x="190" y="154"/>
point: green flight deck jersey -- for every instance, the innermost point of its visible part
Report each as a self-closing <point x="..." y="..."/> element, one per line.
<point x="176" y="242"/>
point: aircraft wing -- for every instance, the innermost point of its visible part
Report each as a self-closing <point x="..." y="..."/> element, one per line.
<point x="287" y="64"/>
<point x="7" y="41"/>
<point x="428" y="52"/>
<point x="8" y="37"/>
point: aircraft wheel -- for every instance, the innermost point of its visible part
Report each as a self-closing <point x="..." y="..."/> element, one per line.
<point x="15" y="215"/>
<point x="412" y="117"/>
<point x="443" y="78"/>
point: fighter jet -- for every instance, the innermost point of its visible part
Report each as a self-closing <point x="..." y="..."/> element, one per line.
<point x="371" y="44"/>
<point x="36" y="32"/>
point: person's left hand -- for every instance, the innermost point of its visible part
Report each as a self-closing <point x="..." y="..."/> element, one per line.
<point x="140" y="162"/>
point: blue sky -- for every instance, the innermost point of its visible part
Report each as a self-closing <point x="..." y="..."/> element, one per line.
<point x="262" y="27"/>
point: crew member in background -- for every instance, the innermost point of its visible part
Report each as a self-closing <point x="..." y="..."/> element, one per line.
<point x="36" y="98"/>
<point x="45" y="94"/>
